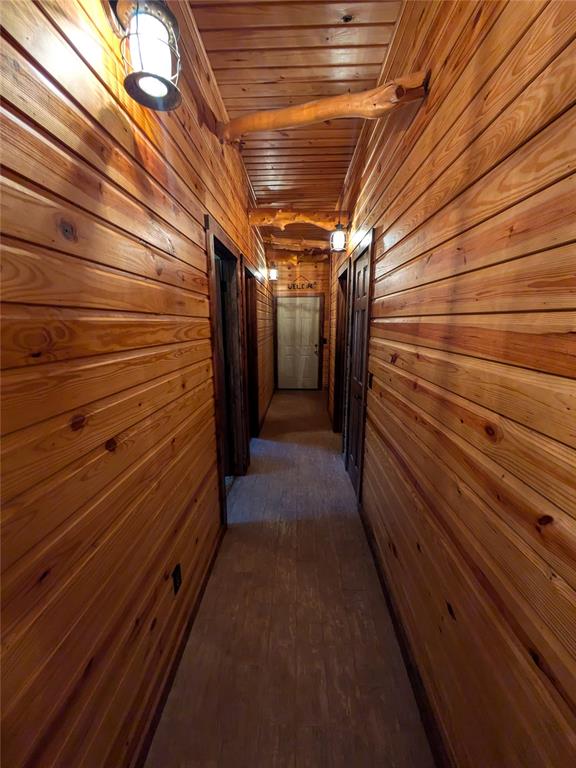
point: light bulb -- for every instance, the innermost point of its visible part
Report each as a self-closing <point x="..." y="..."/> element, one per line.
<point x="150" y="52"/>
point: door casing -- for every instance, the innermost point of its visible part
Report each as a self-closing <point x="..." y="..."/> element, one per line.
<point x="220" y="245"/>
<point x="364" y="248"/>
<point x="340" y="349"/>
<point x="251" y="334"/>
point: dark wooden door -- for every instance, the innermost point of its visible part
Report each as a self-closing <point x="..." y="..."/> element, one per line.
<point x="231" y="396"/>
<point x="359" y="306"/>
<point x="340" y="352"/>
<point x="251" y="335"/>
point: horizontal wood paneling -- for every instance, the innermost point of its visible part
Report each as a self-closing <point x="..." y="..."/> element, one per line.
<point x="108" y="451"/>
<point x="469" y="483"/>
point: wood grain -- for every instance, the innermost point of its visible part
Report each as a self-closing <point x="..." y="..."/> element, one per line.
<point x="109" y="451"/>
<point x="469" y="484"/>
<point x="268" y="56"/>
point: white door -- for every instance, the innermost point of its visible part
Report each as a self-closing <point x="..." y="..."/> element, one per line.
<point x="298" y="324"/>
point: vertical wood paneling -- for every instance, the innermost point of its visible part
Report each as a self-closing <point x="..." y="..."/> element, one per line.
<point x="108" y="451"/>
<point x="469" y="482"/>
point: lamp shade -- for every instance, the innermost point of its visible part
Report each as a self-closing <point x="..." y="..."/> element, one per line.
<point x="150" y="53"/>
<point x="338" y="239"/>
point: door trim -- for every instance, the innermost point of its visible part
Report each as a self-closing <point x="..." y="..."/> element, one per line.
<point x="304" y="294"/>
<point x="251" y="350"/>
<point x="366" y="245"/>
<point x="214" y="232"/>
<point x="340" y="351"/>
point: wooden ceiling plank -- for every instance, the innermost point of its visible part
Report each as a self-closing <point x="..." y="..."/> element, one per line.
<point x="315" y="88"/>
<point x="257" y="178"/>
<point x="292" y="152"/>
<point x="298" y="57"/>
<point x="239" y="16"/>
<point x="283" y="146"/>
<point x="252" y="39"/>
<point x="327" y="73"/>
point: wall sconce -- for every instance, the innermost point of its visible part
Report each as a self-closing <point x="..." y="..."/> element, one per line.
<point x="149" y="47"/>
<point x="273" y="273"/>
<point x="338" y="239"/>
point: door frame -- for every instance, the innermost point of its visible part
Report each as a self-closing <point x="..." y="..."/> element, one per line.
<point x="216" y="235"/>
<point x="251" y="362"/>
<point x="340" y="349"/>
<point x="303" y="295"/>
<point x="366" y="245"/>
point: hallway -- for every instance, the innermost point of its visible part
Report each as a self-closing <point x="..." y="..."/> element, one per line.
<point x="292" y="659"/>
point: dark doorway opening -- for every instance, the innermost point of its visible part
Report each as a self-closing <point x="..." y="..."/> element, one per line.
<point x="251" y="334"/>
<point x="340" y="351"/>
<point x="357" y="375"/>
<point x="228" y="356"/>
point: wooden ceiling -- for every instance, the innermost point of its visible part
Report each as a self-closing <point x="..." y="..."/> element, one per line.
<point x="275" y="53"/>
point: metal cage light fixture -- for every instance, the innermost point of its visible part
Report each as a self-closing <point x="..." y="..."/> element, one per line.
<point x="149" y="48"/>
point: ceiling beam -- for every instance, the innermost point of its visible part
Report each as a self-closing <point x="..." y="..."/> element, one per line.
<point x="299" y="244"/>
<point x="282" y="217"/>
<point x="369" y="105"/>
<point x="280" y="258"/>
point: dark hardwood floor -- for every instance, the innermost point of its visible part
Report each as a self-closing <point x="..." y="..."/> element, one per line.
<point x="292" y="661"/>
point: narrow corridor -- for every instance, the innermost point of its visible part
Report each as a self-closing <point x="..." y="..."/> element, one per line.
<point x="292" y="659"/>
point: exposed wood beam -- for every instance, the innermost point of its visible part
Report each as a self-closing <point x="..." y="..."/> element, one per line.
<point x="279" y="258"/>
<point x="369" y="105"/>
<point x="298" y="244"/>
<point x="282" y="217"/>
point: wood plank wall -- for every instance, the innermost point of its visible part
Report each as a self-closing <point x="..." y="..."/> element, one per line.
<point x="108" y="451"/>
<point x="470" y="481"/>
<point x="308" y="272"/>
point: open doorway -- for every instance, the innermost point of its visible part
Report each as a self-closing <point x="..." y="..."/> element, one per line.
<point x="340" y="351"/>
<point x="357" y="365"/>
<point x="251" y="335"/>
<point x="228" y="356"/>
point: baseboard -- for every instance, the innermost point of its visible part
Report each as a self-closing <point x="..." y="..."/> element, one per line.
<point x="144" y="748"/>
<point x="438" y="747"/>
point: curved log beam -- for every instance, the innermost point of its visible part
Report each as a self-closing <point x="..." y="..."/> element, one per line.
<point x="297" y="244"/>
<point x="370" y="105"/>
<point x="281" y="258"/>
<point x="282" y="217"/>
